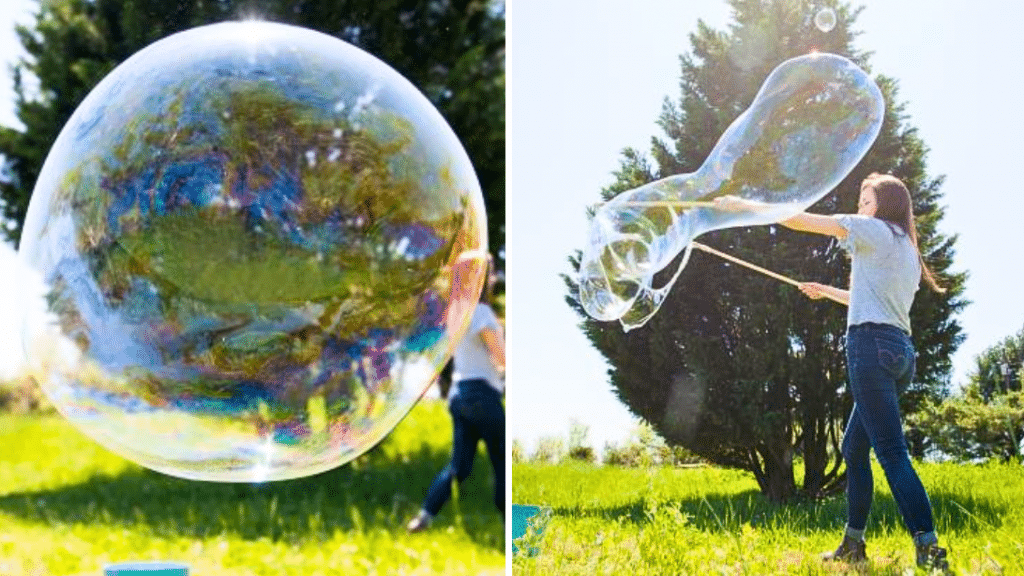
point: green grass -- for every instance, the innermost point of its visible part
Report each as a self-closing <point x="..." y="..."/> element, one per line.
<point x="68" y="507"/>
<point x="657" y="521"/>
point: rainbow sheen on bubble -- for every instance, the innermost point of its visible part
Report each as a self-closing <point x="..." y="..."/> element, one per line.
<point x="259" y="246"/>
<point x="811" y="122"/>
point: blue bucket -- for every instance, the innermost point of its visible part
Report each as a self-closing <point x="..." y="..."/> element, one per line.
<point x="521" y="515"/>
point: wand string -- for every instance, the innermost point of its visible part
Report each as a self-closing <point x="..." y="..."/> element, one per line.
<point x="663" y="204"/>
<point x="671" y="203"/>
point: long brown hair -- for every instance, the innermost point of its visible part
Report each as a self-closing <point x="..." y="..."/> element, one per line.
<point x="893" y="205"/>
<point x="490" y="282"/>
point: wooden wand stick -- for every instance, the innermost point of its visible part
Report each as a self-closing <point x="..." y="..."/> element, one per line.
<point x="757" y="268"/>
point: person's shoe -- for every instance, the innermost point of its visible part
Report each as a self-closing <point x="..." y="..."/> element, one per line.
<point x="932" y="557"/>
<point x="850" y="550"/>
<point x="420" y="523"/>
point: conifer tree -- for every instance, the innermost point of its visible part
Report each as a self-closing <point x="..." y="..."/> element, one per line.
<point x="739" y="368"/>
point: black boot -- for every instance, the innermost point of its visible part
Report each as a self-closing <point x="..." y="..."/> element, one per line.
<point x="850" y="550"/>
<point x="932" y="557"/>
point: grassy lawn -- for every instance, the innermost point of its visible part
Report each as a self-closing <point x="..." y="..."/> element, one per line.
<point x="608" y="520"/>
<point x="68" y="507"/>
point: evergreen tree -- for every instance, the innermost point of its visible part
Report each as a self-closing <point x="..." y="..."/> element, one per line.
<point x="970" y="427"/>
<point x="452" y="50"/>
<point x="739" y="368"/>
<point x="999" y="369"/>
<point x="986" y="418"/>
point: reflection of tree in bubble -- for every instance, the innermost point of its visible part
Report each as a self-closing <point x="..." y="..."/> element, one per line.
<point x="794" y="124"/>
<point x="173" y="220"/>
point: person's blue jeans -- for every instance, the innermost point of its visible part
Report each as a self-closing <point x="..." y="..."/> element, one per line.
<point x="880" y="359"/>
<point x="477" y="414"/>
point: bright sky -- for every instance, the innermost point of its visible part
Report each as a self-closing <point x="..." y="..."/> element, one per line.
<point x="587" y="79"/>
<point x="12" y="289"/>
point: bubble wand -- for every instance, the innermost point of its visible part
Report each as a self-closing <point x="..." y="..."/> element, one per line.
<point x="757" y="268"/>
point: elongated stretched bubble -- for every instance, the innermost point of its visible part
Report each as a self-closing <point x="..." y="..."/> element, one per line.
<point x="812" y="121"/>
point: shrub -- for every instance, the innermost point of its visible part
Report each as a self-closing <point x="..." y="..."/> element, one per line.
<point x="631" y="455"/>
<point x="582" y="453"/>
<point x="23" y="396"/>
<point x="518" y="452"/>
<point x="579" y="447"/>
<point x="550" y="450"/>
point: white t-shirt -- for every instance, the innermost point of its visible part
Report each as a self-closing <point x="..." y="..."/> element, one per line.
<point x="471" y="359"/>
<point x="885" y="271"/>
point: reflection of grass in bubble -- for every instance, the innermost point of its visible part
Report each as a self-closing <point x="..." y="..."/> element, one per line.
<point x="217" y="259"/>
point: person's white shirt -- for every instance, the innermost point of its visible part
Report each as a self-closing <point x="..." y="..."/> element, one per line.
<point x="472" y="357"/>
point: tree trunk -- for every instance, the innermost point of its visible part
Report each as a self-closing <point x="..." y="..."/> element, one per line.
<point x="779" y="485"/>
<point x="815" y="457"/>
<point x="916" y="443"/>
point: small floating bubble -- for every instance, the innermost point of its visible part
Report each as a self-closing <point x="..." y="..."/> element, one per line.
<point x="825" y="19"/>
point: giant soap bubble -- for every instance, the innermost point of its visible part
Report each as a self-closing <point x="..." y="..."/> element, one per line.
<point x="260" y="244"/>
<point x="811" y="122"/>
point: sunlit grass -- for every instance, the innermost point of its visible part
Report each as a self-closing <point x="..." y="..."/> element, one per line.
<point x="68" y="507"/>
<point x="655" y="521"/>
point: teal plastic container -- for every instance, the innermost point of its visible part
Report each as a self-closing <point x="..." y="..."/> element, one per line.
<point x="521" y="514"/>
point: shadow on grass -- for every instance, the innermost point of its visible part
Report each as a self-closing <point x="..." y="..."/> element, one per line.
<point x="717" y="513"/>
<point x="374" y="493"/>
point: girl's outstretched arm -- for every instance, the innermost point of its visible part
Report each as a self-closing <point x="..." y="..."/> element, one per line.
<point x="816" y="223"/>
<point x="803" y="222"/>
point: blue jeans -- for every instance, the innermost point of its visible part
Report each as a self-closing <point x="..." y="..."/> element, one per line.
<point x="880" y="359"/>
<point x="477" y="414"/>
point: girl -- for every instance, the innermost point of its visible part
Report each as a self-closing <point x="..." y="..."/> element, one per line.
<point x="886" y="268"/>
<point x="474" y="402"/>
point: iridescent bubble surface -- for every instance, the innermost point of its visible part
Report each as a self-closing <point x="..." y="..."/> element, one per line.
<point x="260" y="245"/>
<point x="811" y="122"/>
<point x="825" y="19"/>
